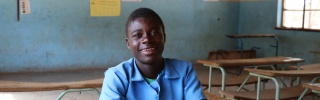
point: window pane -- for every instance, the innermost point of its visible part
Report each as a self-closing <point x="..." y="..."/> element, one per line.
<point x="292" y="19"/>
<point x="312" y="20"/>
<point x="313" y="4"/>
<point x="293" y="4"/>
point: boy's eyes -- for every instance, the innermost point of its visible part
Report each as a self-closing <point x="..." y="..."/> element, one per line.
<point x="154" y="33"/>
<point x="139" y="35"/>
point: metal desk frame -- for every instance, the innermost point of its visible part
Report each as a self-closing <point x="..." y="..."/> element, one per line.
<point x="240" y="36"/>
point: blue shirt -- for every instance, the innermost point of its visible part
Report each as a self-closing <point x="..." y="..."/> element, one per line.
<point x="177" y="81"/>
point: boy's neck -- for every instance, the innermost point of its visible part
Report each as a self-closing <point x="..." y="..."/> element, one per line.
<point x="150" y="70"/>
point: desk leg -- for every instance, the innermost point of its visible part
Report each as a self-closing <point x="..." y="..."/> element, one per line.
<point x="298" y="78"/>
<point x="277" y="96"/>
<point x="248" y="77"/>
<point x="223" y="80"/>
<point x="258" y="88"/>
<point x="305" y="90"/>
<point x="77" y="90"/>
<point x="210" y="75"/>
<point x="243" y="83"/>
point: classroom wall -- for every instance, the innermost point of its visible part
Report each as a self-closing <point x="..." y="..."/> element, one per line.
<point x="60" y="34"/>
<point x="260" y="17"/>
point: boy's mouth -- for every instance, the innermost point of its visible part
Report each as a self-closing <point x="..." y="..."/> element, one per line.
<point x="147" y="49"/>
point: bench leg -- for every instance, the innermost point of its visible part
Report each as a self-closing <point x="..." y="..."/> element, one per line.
<point x="248" y="77"/>
<point x="210" y="75"/>
<point x="223" y="80"/>
<point x="243" y="83"/>
<point x="277" y="96"/>
<point x="305" y="90"/>
<point x="77" y="90"/>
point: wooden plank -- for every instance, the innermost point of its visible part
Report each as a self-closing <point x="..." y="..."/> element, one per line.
<point x="252" y="62"/>
<point x="268" y="94"/>
<point x="211" y="96"/>
<point x="230" y="80"/>
<point x="51" y="80"/>
<point x="289" y="73"/>
<point x="313" y="86"/>
<point x="231" y="54"/>
<point x="19" y="86"/>
<point x="250" y="35"/>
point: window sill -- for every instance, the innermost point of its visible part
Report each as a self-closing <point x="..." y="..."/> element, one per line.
<point x="297" y="29"/>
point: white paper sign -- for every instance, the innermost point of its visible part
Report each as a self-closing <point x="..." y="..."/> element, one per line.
<point x="25" y="7"/>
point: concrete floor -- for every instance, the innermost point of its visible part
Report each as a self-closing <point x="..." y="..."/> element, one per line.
<point x="90" y="95"/>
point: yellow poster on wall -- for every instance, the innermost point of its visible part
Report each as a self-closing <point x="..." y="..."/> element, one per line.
<point x="105" y="7"/>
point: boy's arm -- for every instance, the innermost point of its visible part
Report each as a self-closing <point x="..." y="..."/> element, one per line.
<point x="193" y="87"/>
<point x="113" y="87"/>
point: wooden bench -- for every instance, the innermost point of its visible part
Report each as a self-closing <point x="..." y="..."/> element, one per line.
<point x="267" y="94"/>
<point x="231" y="54"/>
<point x="211" y="96"/>
<point x="68" y="80"/>
<point x="305" y="67"/>
<point x="240" y="36"/>
<point x="232" y="80"/>
<point x="315" y="87"/>
<point x="234" y="63"/>
<point x="283" y="93"/>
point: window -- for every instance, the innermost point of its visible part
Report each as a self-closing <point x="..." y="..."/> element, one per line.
<point x="299" y="14"/>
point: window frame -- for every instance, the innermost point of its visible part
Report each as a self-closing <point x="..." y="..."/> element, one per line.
<point x="280" y="25"/>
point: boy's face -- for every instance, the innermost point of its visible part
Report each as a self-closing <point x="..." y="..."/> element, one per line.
<point x="145" y="39"/>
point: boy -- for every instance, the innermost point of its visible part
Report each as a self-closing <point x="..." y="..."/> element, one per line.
<point x="148" y="76"/>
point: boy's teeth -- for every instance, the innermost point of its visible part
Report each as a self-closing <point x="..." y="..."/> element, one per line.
<point x="147" y="49"/>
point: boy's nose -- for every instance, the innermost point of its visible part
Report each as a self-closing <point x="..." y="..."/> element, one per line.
<point x="147" y="38"/>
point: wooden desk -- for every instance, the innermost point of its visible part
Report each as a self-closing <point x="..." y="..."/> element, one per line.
<point x="240" y="36"/>
<point x="250" y="35"/>
<point x="274" y="94"/>
<point x="315" y="87"/>
<point x="221" y="64"/>
<point x="68" y="80"/>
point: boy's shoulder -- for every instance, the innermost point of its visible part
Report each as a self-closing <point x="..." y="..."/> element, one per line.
<point x="123" y="67"/>
<point x="176" y="61"/>
<point x="178" y="64"/>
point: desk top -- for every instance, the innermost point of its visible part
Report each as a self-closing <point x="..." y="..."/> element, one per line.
<point x="18" y="86"/>
<point x="51" y="80"/>
<point x="252" y="61"/>
<point x="313" y="86"/>
<point x="287" y="73"/>
<point x="250" y="35"/>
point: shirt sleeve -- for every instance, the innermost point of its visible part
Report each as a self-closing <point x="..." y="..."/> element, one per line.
<point x="113" y="87"/>
<point x="193" y="88"/>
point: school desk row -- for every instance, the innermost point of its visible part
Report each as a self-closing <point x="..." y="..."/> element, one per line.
<point x="261" y="75"/>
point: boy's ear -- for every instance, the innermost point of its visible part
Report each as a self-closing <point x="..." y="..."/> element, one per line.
<point x="127" y="42"/>
<point x="164" y="36"/>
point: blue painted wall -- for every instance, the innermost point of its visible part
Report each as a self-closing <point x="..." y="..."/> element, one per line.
<point x="260" y="17"/>
<point x="60" y="34"/>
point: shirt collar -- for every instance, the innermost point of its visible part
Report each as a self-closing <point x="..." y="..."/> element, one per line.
<point x="169" y="71"/>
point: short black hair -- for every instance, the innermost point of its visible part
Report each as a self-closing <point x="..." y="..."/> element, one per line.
<point x="143" y="13"/>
